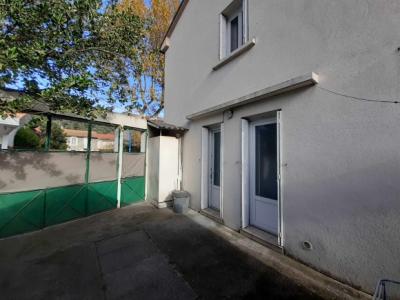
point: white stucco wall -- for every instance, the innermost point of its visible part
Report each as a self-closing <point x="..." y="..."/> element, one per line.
<point x="341" y="177"/>
<point x="153" y="169"/>
<point x="162" y="168"/>
<point x="168" y="177"/>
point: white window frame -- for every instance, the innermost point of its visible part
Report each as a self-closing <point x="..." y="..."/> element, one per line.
<point x="238" y="14"/>
<point x="73" y="141"/>
<point x="238" y="8"/>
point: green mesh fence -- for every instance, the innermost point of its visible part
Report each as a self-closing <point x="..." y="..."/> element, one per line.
<point x="70" y="183"/>
<point x="33" y="210"/>
<point x="132" y="190"/>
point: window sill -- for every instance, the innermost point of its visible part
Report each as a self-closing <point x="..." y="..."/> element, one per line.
<point x="244" y="48"/>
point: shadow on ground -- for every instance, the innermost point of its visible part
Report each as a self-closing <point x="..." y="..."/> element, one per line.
<point x="135" y="253"/>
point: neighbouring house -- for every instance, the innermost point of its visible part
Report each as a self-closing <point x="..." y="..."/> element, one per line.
<point x="77" y="140"/>
<point x="293" y="125"/>
<point x="9" y="127"/>
<point x="105" y="141"/>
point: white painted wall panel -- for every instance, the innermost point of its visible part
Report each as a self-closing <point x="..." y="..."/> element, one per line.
<point x="103" y="166"/>
<point x="25" y="171"/>
<point x="168" y="173"/>
<point x="152" y="170"/>
<point x="133" y="164"/>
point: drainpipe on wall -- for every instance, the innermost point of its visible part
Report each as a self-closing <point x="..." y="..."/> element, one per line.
<point x="179" y="179"/>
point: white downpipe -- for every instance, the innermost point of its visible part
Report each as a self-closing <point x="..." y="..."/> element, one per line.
<point x="180" y="170"/>
<point x="119" y="175"/>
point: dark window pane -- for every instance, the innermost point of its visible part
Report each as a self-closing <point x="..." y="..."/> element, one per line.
<point x="234" y="34"/>
<point x="217" y="158"/>
<point x="266" y="162"/>
<point x="132" y="141"/>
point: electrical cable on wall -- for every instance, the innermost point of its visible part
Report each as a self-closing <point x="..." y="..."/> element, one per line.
<point x="358" y="98"/>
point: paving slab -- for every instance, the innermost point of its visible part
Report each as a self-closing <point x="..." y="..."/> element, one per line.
<point x="134" y="268"/>
<point x="140" y="252"/>
<point x="151" y="278"/>
<point x="69" y="274"/>
<point x="215" y="269"/>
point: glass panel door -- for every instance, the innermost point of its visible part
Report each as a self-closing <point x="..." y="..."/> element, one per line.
<point x="217" y="159"/>
<point x="266" y="184"/>
<point x="215" y="169"/>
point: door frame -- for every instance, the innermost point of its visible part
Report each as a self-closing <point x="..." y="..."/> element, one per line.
<point x="252" y="169"/>
<point x="205" y="175"/>
<point x="246" y="169"/>
<point x="211" y="157"/>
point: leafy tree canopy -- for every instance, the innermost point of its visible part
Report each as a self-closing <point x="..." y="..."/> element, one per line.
<point x="58" y="139"/>
<point x="71" y="54"/>
<point x="26" y="138"/>
<point x="146" y="90"/>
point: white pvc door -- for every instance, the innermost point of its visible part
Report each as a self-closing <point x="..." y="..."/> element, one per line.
<point x="215" y="170"/>
<point x="264" y="175"/>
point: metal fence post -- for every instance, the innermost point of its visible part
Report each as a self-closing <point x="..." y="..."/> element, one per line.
<point x="146" y="142"/>
<point x="88" y="150"/>
<point x="46" y="148"/>
<point x="48" y="133"/>
<point x="119" y="174"/>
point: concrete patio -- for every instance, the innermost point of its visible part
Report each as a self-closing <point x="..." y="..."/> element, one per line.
<point x="140" y="252"/>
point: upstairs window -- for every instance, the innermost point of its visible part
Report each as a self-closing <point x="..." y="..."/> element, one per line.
<point x="235" y="35"/>
<point x="233" y="30"/>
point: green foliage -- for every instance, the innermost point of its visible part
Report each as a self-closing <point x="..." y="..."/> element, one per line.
<point x="26" y="138"/>
<point x="103" y="128"/>
<point x="67" y="124"/>
<point x="67" y="53"/>
<point x="58" y="140"/>
<point x="147" y="90"/>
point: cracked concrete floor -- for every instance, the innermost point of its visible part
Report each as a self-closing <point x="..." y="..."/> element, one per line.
<point x="138" y="252"/>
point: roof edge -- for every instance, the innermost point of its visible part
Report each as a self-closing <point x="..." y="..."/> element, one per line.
<point x="165" y="42"/>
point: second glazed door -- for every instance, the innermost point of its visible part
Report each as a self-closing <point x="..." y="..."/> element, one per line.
<point x="214" y="198"/>
<point x="264" y="175"/>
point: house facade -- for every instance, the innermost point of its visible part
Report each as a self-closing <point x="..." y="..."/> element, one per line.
<point x="9" y="127"/>
<point x="293" y="125"/>
<point x="77" y="140"/>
